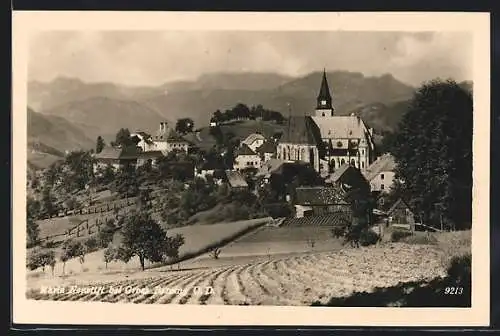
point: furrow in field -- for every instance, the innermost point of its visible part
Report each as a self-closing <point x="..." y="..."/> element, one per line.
<point x="187" y="289"/>
<point x="274" y="287"/>
<point x="149" y="290"/>
<point x="182" y="287"/>
<point x="205" y="288"/>
<point x="257" y="294"/>
<point x="169" y="291"/>
<point x="219" y="286"/>
<point x="166" y="283"/>
<point x="233" y="291"/>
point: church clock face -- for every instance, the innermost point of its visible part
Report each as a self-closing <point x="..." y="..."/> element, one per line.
<point x="323" y="102"/>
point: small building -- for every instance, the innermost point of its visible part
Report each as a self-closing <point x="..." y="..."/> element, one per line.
<point x="380" y="174"/>
<point x="144" y="141"/>
<point x="214" y="168"/>
<point x="116" y="157"/>
<point x="153" y="156"/>
<point x="267" y="151"/>
<point x="236" y="180"/>
<point x="315" y="201"/>
<point x="246" y="158"/>
<point x="167" y="139"/>
<point x="347" y="178"/>
<point x="400" y="215"/>
<point x="254" y="141"/>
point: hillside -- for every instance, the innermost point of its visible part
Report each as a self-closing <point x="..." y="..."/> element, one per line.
<point x="54" y="135"/>
<point x="105" y="116"/>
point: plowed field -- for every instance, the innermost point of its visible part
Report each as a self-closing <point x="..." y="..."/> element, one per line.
<point x="294" y="280"/>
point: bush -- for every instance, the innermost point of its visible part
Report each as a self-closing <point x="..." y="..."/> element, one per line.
<point x="399" y="235"/>
<point x="368" y="237"/>
<point x="417" y="239"/>
<point x="41" y="258"/>
<point x="91" y="244"/>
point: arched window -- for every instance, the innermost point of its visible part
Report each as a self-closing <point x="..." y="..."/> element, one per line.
<point x="284" y="153"/>
<point x="303" y="154"/>
<point x="311" y="156"/>
<point x="288" y="151"/>
<point x="342" y="162"/>
<point x="353" y="163"/>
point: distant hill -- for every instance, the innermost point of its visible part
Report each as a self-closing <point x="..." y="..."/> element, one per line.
<point x="350" y="91"/>
<point x="104" y="116"/>
<point x="54" y="135"/>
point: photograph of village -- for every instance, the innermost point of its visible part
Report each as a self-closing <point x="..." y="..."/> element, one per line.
<point x="250" y="168"/>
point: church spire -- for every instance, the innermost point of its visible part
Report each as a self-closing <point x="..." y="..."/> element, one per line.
<point x="324" y="100"/>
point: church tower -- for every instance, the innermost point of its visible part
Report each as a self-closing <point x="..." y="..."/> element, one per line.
<point x="324" y="106"/>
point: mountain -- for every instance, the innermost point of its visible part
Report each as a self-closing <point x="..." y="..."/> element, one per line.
<point x="350" y="91"/>
<point x="62" y="90"/>
<point x="49" y="137"/>
<point x="54" y="134"/>
<point x="104" y="116"/>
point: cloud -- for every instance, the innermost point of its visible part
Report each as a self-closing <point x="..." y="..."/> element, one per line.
<point x="151" y="58"/>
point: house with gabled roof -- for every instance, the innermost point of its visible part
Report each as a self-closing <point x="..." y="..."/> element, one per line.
<point x="116" y="157"/>
<point x="380" y="174"/>
<point x="144" y="141"/>
<point x="319" y="200"/>
<point x="167" y="139"/>
<point x="348" y="178"/>
<point x="267" y="151"/>
<point x="245" y="157"/>
<point x="254" y="141"/>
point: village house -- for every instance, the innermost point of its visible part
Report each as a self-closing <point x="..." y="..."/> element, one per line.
<point x="246" y="158"/>
<point x="315" y="201"/>
<point x="401" y="216"/>
<point x="267" y="151"/>
<point x="153" y="156"/>
<point x="144" y="141"/>
<point x="116" y="157"/>
<point x="254" y="141"/>
<point x="325" y="140"/>
<point x="348" y="178"/>
<point x="167" y="139"/>
<point x="380" y="174"/>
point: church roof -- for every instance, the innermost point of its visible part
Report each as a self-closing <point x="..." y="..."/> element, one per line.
<point x="267" y="147"/>
<point x="301" y="130"/>
<point x="341" y="127"/>
<point x="324" y="91"/>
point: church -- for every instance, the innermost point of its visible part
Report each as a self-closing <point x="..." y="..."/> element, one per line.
<point x="326" y="140"/>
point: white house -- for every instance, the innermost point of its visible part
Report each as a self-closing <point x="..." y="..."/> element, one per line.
<point x="254" y="141"/>
<point x="145" y="141"/>
<point x="246" y="158"/>
<point x="167" y="139"/>
<point x="381" y="173"/>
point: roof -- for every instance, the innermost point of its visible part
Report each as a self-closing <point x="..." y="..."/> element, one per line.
<point x="337" y="174"/>
<point x="150" y="154"/>
<point x="245" y="150"/>
<point x="252" y="138"/>
<point x="267" y="147"/>
<point x="301" y="130"/>
<point x="324" y="91"/>
<point x="397" y="205"/>
<point x="235" y="179"/>
<point x="318" y="196"/>
<point x="341" y="127"/>
<point x="148" y="138"/>
<point x="114" y="153"/>
<point x="270" y="167"/>
<point x="384" y="163"/>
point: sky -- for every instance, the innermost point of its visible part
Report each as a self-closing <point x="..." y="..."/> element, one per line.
<point x="156" y="57"/>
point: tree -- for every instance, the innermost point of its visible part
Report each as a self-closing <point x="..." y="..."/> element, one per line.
<point x="41" y="258"/>
<point x="49" y="207"/>
<point x="100" y="144"/>
<point x="433" y="153"/>
<point x="32" y="213"/>
<point x="143" y="237"/>
<point x="109" y="255"/>
<point x="106" y="233"/>
<point x="123" y="138"/>
<point x="184" y="125"/>
<point x="72" y="249"/>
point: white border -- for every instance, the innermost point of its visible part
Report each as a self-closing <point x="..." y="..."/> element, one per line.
<point x="25" y="311"/>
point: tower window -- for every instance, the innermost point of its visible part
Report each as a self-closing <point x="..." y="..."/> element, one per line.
<point x="323" y="114"/>
<point x="381" y="176"/>
<point x="381" y="187"/>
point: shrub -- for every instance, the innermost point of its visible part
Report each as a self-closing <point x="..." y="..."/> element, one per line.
<point x="368" y="237"/>
<point x="41" y="258"/>
<point x="418" y="239"/>
<point x="459" y="269"/>
<point x="91" y="244"/>
<point x="398" y="235"/>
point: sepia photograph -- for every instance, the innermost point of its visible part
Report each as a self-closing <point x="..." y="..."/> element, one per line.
<point x="315" y="168"/>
